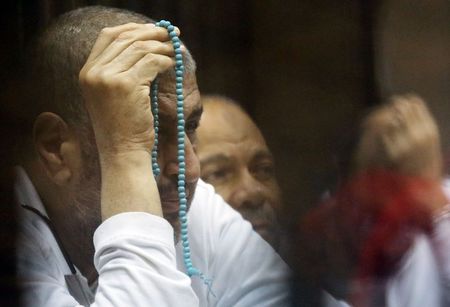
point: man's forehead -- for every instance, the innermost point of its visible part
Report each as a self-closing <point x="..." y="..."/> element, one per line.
<point x="227" y="130"/>
<point x="167" y="99"/>
<point x="216" y="155"/>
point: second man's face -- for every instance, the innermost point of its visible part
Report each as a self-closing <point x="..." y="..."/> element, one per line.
<point x="236" y="161"/>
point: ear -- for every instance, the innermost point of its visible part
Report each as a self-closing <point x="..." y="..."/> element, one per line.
<point x="57" y="147"/>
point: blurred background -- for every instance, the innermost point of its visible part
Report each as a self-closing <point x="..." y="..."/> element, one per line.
<point x="302" y="69"/>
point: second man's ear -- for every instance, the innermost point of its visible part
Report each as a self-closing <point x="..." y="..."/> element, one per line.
<point x="57" y="147"/>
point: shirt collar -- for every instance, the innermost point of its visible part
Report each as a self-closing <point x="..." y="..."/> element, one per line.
<point x="25" y="193"/>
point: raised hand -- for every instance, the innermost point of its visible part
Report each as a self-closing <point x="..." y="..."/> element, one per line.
<point x="403" y="136"/>
<point x="115" y="83"/>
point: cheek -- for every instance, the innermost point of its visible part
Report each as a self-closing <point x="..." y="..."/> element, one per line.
<point x="226" y="191"/>
<point x="273" y="194"/>
<point x="192" y="162"/>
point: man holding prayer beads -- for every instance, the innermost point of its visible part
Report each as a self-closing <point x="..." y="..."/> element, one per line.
<point x="97" y="228"/>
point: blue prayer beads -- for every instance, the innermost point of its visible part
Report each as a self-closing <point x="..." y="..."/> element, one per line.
<point x="179" y="75"/>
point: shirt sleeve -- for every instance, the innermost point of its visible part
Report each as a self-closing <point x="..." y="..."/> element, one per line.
<point x="135" y="259"/>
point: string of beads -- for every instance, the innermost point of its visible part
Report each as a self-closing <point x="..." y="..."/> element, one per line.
<point x="179" y="71"/>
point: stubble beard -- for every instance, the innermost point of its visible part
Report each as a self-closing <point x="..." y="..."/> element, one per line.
<point x="267" y="214"/>
<point x="86" y="203"/>
<point x="173" y="218"/>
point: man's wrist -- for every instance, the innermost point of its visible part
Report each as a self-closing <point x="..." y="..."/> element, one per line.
<point x="128" y="184"/>
<point x="125" y="161"/>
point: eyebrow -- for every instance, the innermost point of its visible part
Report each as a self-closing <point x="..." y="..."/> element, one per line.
<point x="262" y="154"/>
<point x="215" y="159"/>
<point x="196" y="113"/>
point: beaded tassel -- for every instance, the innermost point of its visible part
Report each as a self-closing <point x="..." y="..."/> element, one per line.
<point x="179" y="70"/>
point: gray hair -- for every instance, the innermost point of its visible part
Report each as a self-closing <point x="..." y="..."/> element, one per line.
<point x="60" y="53"/>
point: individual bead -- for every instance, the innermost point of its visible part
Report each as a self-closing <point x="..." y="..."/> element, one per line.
<point x="170" y="28"/>
<point x="179" y="85"/>
<point x="179" y="79"/>
<point x="192" y="271"/>
<point x="173" y="34"/>
<point x="178" y="56"/>
<point x="182" y="165"/>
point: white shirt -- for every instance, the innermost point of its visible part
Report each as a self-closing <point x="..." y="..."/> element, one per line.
<point x="139" y="265"/>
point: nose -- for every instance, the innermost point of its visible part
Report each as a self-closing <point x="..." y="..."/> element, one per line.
<point x="169" y="164"/>
<point x="248" y="192"/>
